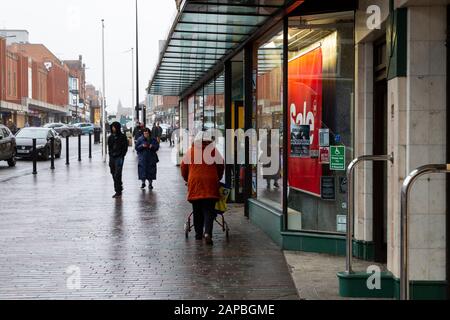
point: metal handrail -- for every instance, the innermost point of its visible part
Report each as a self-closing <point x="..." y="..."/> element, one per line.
<point x="406" y="188"/>
<point x="351" y="201"/>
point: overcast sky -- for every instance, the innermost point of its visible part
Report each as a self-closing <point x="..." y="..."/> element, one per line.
<point x="69" y="28"/>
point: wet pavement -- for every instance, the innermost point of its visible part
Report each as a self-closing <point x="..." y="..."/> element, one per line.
<point x="315" y="274"/>
<point x="61" y="229"/>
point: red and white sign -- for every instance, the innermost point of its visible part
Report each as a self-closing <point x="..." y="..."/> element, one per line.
<point x="324" y="155"/>
<point x="305" y="108"/>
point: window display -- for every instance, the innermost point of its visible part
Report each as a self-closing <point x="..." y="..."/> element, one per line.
<point x="320" y="97"/>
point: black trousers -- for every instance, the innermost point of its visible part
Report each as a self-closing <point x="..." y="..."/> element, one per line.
<point x="204" y="216"/>
<point x="116" y="166"/>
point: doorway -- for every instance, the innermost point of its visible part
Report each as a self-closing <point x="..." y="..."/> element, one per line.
<point x="380" y="138"/>
<point x="238" y="172"/>
<point x="235" y="114"/>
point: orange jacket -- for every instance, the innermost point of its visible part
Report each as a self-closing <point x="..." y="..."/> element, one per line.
<point x="202" y="178"/>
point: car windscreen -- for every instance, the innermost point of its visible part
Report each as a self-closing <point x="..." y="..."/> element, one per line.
<point x="32" y="134"/>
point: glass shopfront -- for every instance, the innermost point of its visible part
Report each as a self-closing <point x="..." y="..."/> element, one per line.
<point x="206" y="110"/>
<point x="320" y="136"/>
<point x="199" y="111"/>
<point x="303" y="92"/>
<point x="191" y="116"/>
<point x="220" y="111"/>
<point x="320" y="91"/>
<point x="209" y="111"/>
<point x="269" y="92"/>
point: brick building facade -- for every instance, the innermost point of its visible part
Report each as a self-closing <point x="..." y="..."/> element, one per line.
<point x="34" y="85"/>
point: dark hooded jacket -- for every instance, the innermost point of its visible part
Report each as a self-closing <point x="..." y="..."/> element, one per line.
<point x="118" y="142"/>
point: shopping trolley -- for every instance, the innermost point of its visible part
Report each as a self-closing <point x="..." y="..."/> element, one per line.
<point x="220" y="210"/>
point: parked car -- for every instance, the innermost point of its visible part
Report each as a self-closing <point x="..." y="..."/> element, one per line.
<point x="7" y="146"/>
<point x="86" y="128"/>
<point x="74" y="131"/>
<point x="24" y="143"/>
<point x="62" y="129"/>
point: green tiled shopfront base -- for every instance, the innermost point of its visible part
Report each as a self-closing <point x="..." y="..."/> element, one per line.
<point x="271" y="221"/>
<point x="354" y="285"/>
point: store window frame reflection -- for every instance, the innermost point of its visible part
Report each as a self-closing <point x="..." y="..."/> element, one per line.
<point x="269" y="68"/>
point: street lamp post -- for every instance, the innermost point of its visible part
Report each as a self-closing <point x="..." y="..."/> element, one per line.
<point x="132" y="77"/>
<point x="103" y="117"/>
<point x="137" y="70"/>
<point x="76" y="108"/>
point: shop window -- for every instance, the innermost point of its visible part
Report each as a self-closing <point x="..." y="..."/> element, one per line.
<point x="15" y="84"/>
<point x="9" y="82"/>
<point x="209" y="113"/>
<point x="191" y="115"/>
<point x="220" y="112"/>
<point x="320" y="97"/>
<point x="269" y="87"/>
<point x="198" y="112"/>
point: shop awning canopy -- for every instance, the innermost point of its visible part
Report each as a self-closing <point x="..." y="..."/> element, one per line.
<point x="204" y="32"/>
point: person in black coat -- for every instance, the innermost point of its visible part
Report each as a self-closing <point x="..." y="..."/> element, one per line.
<point x="138" y="131"/>
<point x="118" y="148"/>
<point x="170" y="136"/>
<point x="147" y="148"/>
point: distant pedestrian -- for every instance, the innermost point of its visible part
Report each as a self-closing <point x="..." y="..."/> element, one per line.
<point x="138" y="131"/>
<point x="203" y="185"/>
<point x="12" y="127"/>
<point x="155" y="132"/>
<point x="147" y="148"/>
<point x="118" y="148"/>
<point x="267" y="170"/>
<point x="169" y="136"/>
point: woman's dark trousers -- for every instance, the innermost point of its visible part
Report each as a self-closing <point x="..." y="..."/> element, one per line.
<point x="204" y="216"/>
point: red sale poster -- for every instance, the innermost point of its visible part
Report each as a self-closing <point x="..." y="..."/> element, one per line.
<point x="305" y="108"/>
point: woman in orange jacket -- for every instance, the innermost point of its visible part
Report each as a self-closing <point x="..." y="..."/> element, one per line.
<point x="202" y="168"/>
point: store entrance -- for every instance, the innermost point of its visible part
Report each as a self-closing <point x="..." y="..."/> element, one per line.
<point x="238" y="171"/>
<point x="380" y="147"/>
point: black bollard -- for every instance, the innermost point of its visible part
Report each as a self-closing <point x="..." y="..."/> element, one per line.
<point x="34" y="157"/>
<point x="52" y="155"/>
<point x="67" y="151"/>
<point x="90" y="145"/>
<point x="79" y="148"/>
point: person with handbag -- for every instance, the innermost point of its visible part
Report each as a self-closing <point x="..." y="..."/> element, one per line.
<point x="147" y="148"/>
<point x="203" y="179"/>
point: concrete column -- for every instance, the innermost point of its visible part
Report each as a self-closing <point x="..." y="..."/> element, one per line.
<point x="364" y="140"/>
<point x="417" y="136"/>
